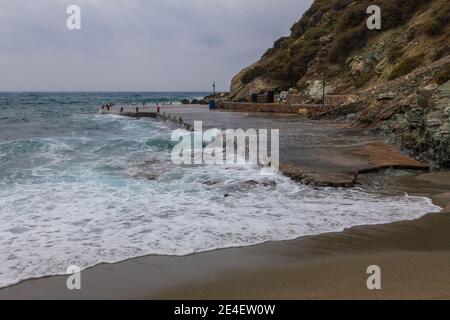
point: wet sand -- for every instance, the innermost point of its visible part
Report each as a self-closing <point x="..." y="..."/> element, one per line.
<point x="405" y="275"/>
<point x="414" y="257"/>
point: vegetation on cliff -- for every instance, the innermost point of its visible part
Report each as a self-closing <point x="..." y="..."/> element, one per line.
<point x="332" y="35"/>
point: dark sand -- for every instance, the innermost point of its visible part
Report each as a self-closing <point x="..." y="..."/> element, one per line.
<point x="414" y="257"/>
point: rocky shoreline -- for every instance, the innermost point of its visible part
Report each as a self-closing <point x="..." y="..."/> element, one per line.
<point x="399" y="76"/>
<point x="412" y="113"/>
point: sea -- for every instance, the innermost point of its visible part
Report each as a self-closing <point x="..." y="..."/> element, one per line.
<point x="80" y="188"/>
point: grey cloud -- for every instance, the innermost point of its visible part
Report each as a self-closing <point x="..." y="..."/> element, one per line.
<point x="137" y="44"/>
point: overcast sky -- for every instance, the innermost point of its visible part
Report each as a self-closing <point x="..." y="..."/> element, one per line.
<point x="153" y="45"/>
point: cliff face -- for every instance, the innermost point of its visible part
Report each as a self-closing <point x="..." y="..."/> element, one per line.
<point x="332" y="41"/>
<point x="400" y="73"/>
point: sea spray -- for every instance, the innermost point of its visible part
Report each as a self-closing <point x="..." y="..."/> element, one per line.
<point x="77" y="188"/>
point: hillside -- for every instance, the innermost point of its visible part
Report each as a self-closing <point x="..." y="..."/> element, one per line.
<point x="331" y="41"/>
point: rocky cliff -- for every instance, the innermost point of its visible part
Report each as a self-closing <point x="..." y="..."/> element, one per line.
<point x="400" y="72"/>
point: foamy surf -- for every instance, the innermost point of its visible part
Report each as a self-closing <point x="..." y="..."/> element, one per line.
<point x="106" y="191"/>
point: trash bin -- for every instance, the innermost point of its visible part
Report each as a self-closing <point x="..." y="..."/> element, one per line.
<point x="212" y="104"/>
<point x="270" y="97"/>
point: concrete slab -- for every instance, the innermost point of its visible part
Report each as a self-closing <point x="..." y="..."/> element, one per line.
<point x="320" y="152"/>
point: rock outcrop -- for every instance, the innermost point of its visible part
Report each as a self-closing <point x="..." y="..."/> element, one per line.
<point x="412" y="112"/>
<point x="331" y="41"/>
<point x="399" y="73"/>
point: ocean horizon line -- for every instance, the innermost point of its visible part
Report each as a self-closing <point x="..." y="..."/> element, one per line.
<point x="101" y="91"/>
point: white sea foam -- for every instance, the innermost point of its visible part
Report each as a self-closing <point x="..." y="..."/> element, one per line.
<point x="87" y="207"/>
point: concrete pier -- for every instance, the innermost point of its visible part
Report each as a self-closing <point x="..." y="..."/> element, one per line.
<point x="161" y="113"/>
<point x="130" y="111"/>
<point x="322" y="153"/>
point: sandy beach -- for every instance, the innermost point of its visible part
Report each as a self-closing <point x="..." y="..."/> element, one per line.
<point x="180" y="152"/>
<point x="414" y="257"/>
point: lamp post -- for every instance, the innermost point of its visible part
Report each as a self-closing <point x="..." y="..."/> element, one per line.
<point x="212" y="103"/>
<point x="323" y="92"/>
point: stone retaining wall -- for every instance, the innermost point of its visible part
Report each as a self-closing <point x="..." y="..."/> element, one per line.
<point x="265" y="107"/>
<point x="333" y="100"/>
<point x="337" y="100"/>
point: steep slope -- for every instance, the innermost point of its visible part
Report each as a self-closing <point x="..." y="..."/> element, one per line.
<point x="332" y="41"/>
<point x="400" y="74"/>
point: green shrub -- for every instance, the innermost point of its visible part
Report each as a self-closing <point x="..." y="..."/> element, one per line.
<point x="440" y="20"/>
<point x="394" y="54"/>
<point x="367" y="118"/>
<point x="308" y="46"/>
<point x="276" y="67"/>
<point x="434" y="27"/>
<point x="305" y="49"/>
<point x="351" y="29"/>
<point x="282" y="43"/>
<point x="393" y="15"/>
<point x="347" y="42"/>
<point x="316" y="33"/>
<point x="300" y="27"/>
<point x="339" y="5"/>
<point x="252" y="74"/>
<point x="442" y="76"/>
<point x="290" y="56"/>
<point x="363" y="79"/>
<point x="441" y="52"/>
<point x="353" y="17"/>
<point x="406" y="66"/>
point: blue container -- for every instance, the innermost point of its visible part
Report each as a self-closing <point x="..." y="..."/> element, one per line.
<point x="212" y="104"/>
